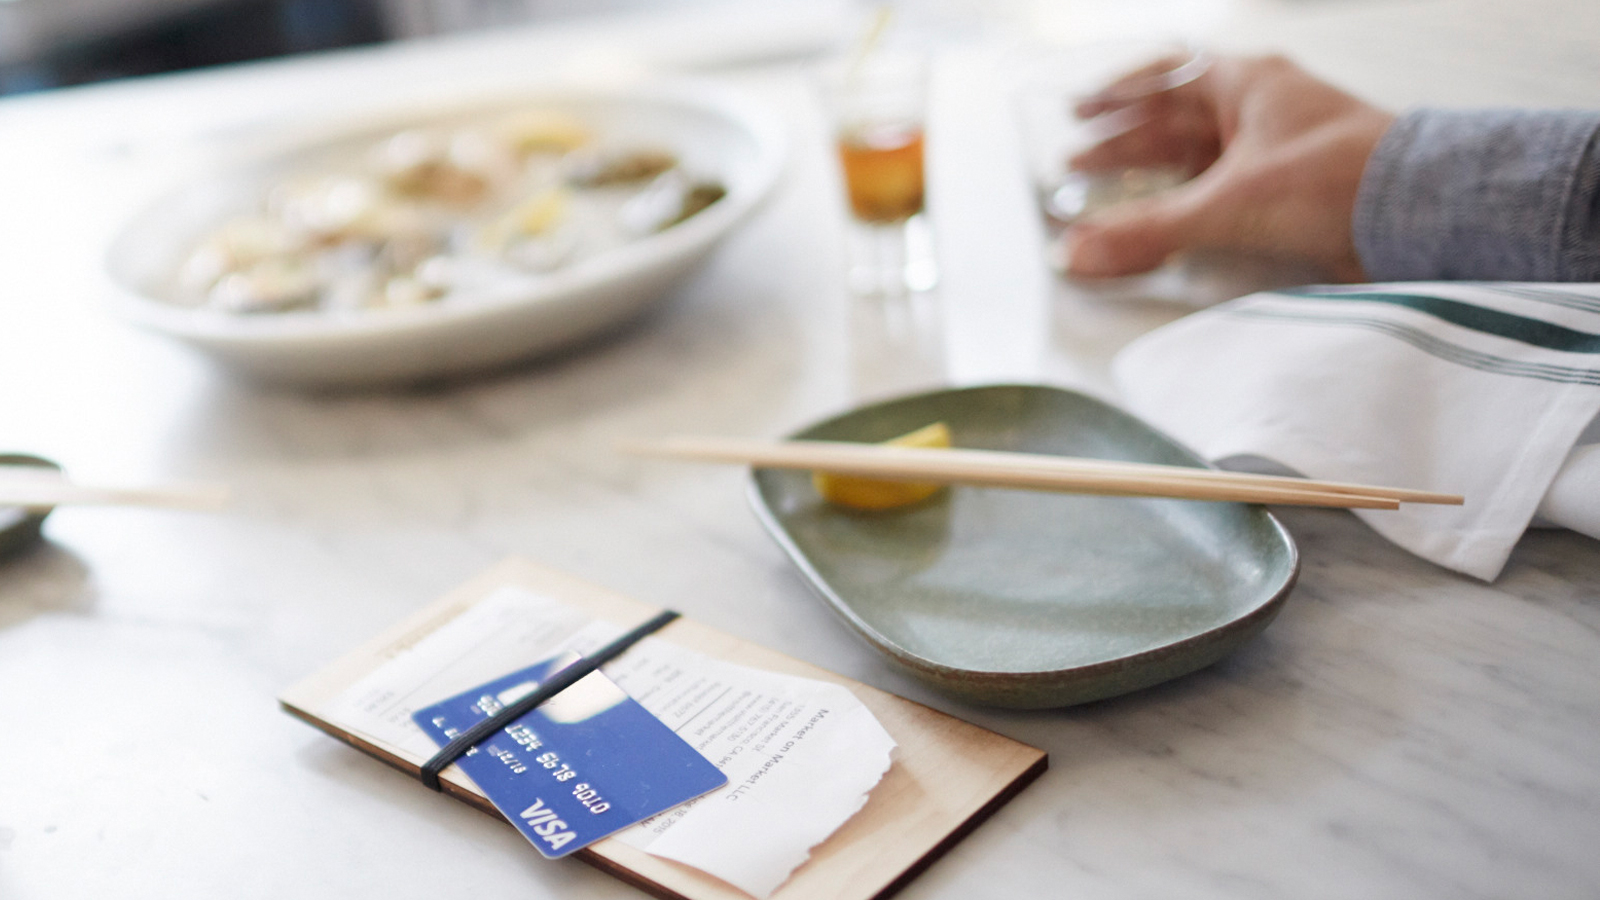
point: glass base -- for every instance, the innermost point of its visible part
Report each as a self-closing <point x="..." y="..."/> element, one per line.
<point x="891" y="259"/>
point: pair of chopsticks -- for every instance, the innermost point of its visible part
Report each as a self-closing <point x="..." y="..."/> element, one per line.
<point x="36" y="487"/>
<point x="1033" y="471"/>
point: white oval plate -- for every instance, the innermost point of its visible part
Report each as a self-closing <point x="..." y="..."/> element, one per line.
<point x="711" y="132"/>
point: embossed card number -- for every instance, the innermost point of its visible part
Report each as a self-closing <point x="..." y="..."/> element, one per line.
<point x="585" y="764"/>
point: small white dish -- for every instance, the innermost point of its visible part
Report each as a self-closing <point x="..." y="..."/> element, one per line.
<point x="741" y="145"/>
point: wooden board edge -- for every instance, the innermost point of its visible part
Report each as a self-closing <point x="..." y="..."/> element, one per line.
<point x="1028" y="776"/>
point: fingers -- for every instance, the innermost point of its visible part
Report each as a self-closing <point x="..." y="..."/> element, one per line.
<point x="1185" y="138"/>
<point x="1170" y="76"/>
<point x="1157" y="115"/>
<point x="1136" y="236"/>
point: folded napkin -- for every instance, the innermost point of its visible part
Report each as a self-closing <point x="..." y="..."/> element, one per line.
<point x="1481" y="389"/>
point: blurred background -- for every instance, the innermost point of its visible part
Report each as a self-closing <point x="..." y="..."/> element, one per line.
<point x="56" y="43"/>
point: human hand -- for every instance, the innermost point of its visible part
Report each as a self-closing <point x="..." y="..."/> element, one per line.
<point x="1277" y="157"/>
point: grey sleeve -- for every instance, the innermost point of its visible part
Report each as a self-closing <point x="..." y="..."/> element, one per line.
<point x="1493" y="195"/>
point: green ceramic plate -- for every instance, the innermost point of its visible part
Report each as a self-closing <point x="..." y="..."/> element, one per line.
<point x="1028" y="599"/>
<point x="20" y="527"/>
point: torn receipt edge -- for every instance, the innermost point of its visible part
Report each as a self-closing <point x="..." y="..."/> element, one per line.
<point x="947" y="775"/>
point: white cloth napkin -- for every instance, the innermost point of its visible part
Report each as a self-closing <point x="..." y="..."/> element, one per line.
<point x="1478" y="389"/>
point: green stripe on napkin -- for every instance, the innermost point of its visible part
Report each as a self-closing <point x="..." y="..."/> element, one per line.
<point x="1477" y="318"/>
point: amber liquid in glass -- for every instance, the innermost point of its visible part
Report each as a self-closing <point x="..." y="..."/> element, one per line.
<point x="883" y="174"/>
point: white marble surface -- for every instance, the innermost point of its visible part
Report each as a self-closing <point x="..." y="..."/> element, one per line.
<point x="1398" y="732"/>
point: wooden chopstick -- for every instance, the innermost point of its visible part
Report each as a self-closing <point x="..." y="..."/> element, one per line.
<point x="1031" y="471"/>
<point x="34" y="487"/>
<point x="1404" y="495"/>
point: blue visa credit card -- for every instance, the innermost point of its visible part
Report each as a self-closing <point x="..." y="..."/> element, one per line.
<point x="586" y="763"/>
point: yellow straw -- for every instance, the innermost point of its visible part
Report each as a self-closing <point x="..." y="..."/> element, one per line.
<point x="869" y="42"/>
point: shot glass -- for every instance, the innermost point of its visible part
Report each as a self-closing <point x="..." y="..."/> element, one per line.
<point x="876" y="108"/>
<point x="1051" y="87"/>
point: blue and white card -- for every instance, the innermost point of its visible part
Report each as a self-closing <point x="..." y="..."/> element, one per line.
<point x="585" y="764"/>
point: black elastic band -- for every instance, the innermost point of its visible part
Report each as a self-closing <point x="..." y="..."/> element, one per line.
<point x="552" y="686"/>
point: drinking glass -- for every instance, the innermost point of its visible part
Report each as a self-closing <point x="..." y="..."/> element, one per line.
<point x="1050" y="86"/>
<point x="876" y="107"/>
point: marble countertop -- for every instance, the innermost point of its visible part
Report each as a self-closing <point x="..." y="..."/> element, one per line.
<point x="1399" y="731"/>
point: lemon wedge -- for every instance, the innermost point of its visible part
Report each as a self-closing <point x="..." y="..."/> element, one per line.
<point x="530" y="218"/>
<point x="874" y="494"/>
<point x="541" y="212"/>
<point x="543" y="131"/>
